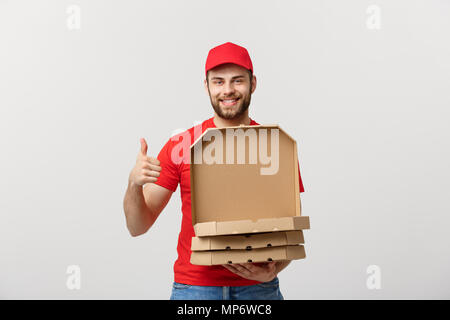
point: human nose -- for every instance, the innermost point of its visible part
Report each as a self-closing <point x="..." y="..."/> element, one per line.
<point x="228" y="88"/>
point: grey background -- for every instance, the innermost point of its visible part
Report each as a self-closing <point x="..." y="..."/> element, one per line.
<point x="369" y="110"/>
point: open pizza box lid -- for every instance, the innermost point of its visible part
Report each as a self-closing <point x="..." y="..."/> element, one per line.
<point x="248" y="241"/>
<point x="245" y="179"/>
<point x="207" y="258"/>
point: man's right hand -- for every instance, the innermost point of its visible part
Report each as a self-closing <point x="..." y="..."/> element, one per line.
<point x="147" y="169"/>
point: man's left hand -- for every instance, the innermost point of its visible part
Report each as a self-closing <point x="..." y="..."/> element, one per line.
<point x="259" y="272"/>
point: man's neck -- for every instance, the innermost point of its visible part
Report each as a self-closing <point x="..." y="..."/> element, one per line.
<point x="221" y="122"/>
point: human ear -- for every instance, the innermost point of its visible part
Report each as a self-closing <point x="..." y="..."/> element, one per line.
<point x="253" y="84"/>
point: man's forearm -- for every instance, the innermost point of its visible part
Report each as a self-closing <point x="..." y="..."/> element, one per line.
<point x="138" y="215"/>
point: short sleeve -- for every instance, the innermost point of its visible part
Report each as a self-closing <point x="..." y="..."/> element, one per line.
<point x="300" y="179"/>
<point x="169" y="175"/>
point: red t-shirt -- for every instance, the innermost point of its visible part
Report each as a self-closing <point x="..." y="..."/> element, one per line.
<point x="172" y="174"/>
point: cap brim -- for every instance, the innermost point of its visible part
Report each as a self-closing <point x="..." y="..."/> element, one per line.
<point x="225" y="62"/>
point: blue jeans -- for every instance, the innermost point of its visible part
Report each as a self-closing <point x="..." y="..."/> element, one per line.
<point x="262" y="291"/>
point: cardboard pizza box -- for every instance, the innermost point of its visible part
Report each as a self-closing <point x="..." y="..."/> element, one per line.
<point x="247" y="241"/>
<point x="245" y="179"/>
<point x="219" y="257"/>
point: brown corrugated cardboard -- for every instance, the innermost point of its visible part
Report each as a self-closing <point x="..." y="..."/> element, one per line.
<point x="248" y="241"/>
<point x="207" y="258"/>
<point x="258" y="194"/>
<point x="248" y="226"/>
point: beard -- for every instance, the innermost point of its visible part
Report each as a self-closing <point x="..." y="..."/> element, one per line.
<point x="233" y="112"/>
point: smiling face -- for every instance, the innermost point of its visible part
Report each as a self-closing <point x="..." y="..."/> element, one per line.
<point x="230" y="88"/>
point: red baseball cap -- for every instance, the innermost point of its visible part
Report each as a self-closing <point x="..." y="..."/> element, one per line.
<point x="228" y="53"/>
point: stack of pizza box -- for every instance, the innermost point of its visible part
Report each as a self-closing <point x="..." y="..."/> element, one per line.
<point x="245" y="196"/>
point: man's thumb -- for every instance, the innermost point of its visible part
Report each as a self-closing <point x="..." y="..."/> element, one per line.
<point x="144" y="147"/>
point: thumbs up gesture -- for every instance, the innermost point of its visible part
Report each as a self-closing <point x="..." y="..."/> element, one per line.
<point x="147" y="169"/>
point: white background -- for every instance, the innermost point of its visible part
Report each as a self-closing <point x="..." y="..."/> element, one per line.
<point x="369" y="109"/>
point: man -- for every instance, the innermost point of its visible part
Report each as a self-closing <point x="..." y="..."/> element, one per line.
<point x="229" y="83"/>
